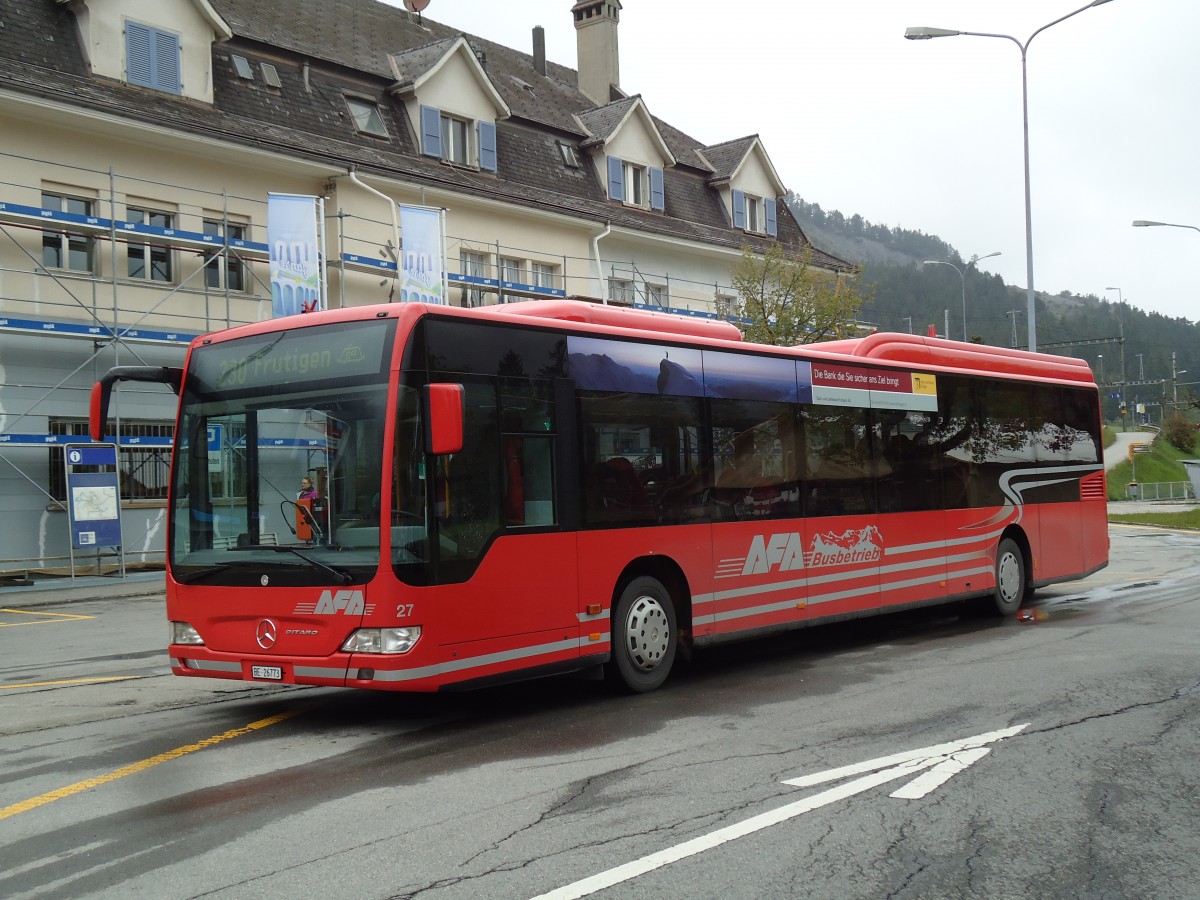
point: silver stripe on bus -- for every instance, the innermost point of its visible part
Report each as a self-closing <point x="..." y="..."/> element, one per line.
<point x="829" y="597"/>
<point x="214" y="665"/>
<point x="475" y="662"/>
<point x="319" y="672"/>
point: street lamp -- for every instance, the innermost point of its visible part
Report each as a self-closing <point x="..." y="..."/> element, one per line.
<point x="924" y="34"/>
<point x="1145" y="223"/>
<point x="962" y="275"/>
<point x="1100" y="361"/>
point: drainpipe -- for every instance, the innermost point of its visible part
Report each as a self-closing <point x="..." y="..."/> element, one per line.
<point x="599" y="266"/>
<point x="391" y="208"/>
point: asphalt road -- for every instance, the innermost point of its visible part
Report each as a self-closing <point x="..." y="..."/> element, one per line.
<point x="927" y="754"/>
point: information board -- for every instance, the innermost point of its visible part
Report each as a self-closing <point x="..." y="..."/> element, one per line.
<point x="93" y="495"/>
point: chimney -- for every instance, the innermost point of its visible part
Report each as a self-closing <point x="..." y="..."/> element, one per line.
<point x="539" y="49"/>
<point x="596" y="42"/>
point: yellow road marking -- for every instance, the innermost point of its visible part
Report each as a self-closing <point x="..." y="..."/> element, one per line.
<point x="31" y="684"/>
<point x="44" y="618"/>
<point x="134" y="768"/>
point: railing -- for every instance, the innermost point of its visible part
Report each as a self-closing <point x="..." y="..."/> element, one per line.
<point x="1160" y="490"/>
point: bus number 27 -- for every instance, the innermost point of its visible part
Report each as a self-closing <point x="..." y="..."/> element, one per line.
<point x="404" y="610"/>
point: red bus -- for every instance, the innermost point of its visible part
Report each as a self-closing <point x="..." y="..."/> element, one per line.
<point x="548" y="486"/>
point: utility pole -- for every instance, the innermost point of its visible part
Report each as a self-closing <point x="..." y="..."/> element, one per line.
<point x="1012" y="314"/>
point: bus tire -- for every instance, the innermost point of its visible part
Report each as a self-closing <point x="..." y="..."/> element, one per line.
<point x="1011" y="582"/>
<point x="643" y="636"/>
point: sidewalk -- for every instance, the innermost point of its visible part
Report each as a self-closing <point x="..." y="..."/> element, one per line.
<point x="54" y="590"/>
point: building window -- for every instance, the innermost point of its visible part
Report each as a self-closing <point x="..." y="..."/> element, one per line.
<point x="757" y="214"/>
<point x="448" y="137"/>
<point x="271" y="75"/>
<point x="725" y="306"/>
<point x="366" y="117"/>
<point x="635" y="184"/>
<point x="454" y="139"/>
<point x="145" y="471"/>
<point x="474" y="265"/>
<point x="656" y="295"/>
<point x="151" y="58"/>
<point x="512" y="270"/>
<point x="147" y="260"/>
<point x="544" y="275"/>
<point x="65" y="250"/>
<point x="620" y="290"/>
<point x="224" y="270"/>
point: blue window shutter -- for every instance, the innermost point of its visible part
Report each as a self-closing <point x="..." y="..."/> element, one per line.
<point x="138" y="69"/>
<point x="431" y="131"/>
<point x="487" y="146"/>
<point x="772" y="220"/>
<point x="616" y="179"/>
<point x="657" y="196"/>
<point x="166" y="61"/>
<point x="739" y="209"/>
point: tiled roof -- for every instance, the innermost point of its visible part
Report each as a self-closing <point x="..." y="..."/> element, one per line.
<point x="725" y="158"/>
<point x="352" y="45"/>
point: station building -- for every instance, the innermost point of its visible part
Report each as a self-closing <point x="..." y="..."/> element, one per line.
<point x="140" y="139"/>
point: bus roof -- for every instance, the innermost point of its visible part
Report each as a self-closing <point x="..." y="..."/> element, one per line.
<point x="914" y="350"/>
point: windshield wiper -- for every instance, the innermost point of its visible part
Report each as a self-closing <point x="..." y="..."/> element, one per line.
<point x="190" y="577"/>
<point x="339" y="575"/>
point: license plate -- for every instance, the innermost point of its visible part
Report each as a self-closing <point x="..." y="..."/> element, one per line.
<point x="268" y="673"/>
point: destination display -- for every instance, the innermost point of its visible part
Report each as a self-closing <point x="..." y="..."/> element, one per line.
<point x="354" y="350"/>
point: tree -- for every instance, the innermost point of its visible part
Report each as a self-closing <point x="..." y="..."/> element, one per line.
<point x="789" y="301"/>
<point x="1179" y="432"/>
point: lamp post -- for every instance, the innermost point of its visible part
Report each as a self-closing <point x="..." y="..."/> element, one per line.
<point x="1100" y="362"/>
<point x="923" y="34"/>
<point x="1145" y="223"/>
<point x="962" y="275"/>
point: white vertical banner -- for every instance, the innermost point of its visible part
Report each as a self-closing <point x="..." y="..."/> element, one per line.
<point x="421" y="255"/>
<point x="296" y="269"/>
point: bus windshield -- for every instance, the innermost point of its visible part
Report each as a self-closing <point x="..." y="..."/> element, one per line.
<point x="280" y="448"/>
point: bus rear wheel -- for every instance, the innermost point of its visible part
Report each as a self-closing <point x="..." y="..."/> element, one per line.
<point x="643" y="636"/>
<point x="1010" y="579"/>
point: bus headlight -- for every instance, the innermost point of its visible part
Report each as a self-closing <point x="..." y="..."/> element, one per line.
<point x="183" y="633"/>
<point x="382" y="640"/>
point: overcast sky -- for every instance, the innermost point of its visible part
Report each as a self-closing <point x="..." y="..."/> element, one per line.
<point x="927" y="135"/>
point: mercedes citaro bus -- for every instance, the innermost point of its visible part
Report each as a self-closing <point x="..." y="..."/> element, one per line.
<point x="547" y="486"/>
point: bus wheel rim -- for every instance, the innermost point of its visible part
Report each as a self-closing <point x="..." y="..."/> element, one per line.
<point x="1009" y="577"/>
<point x="647" y="633"/>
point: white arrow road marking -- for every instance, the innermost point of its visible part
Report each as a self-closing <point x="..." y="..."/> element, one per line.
<point x="938" y="764"/>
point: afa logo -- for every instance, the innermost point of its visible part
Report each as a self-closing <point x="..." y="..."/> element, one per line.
<point x="785" y="552"/>
<point x="782" y="550"/>
<point x="350" y="603"/>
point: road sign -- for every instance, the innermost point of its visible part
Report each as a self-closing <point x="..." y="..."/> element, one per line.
<point x="216" y="456"/>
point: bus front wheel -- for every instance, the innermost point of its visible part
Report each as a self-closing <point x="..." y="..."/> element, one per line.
<point x="643" y="635"/>
<point x="1010" y="579"/>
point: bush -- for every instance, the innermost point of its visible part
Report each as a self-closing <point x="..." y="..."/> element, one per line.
<point x="1179" y="432"/>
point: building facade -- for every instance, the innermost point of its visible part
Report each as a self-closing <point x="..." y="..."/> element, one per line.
<point x="140" y="139"/>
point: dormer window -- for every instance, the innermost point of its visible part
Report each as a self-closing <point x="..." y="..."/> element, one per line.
<point x="457" y="139"/>
<point x="754" y="214"/>
<point x="634" y="184"/>
<point x="152" y="58"/>
<point x="271" y="75"/>
<point x="366" y="117"/>
<point x="454" y="139"/>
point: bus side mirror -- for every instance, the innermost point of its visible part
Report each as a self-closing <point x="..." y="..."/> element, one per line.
<point x="98" y="411"/>
<point x="444" y="422"/>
